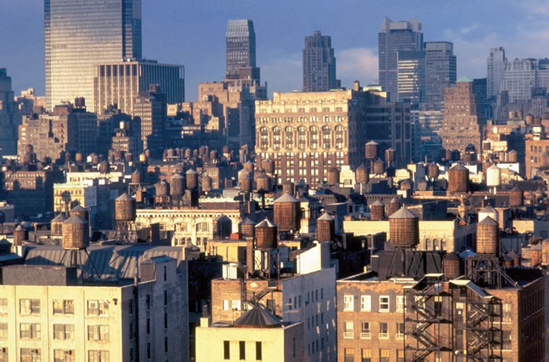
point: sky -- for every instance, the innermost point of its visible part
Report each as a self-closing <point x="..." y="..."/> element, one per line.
<point x="192" y="33"/>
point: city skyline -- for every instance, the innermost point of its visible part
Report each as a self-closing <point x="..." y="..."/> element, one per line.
<point x="169" y="31"/>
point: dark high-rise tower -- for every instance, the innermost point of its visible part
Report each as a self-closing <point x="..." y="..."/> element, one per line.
<point x="396" y="36"/>
<point x="440" y="71"/>
<point x="319" y="64"/>
<point x="79" y="34"/>
<point x="9" y="116"/>
<point x="241" y="50"/>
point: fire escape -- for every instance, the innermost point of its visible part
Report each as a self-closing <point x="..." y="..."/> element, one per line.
<point x="428" y="319"/>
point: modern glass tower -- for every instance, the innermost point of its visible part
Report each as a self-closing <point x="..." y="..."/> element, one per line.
<point x="440" y="71"/>
<point x="241" y="61"/>
<point x="319" y="64"/>
<point x="79" y="34"/>
<point x="396" y="36"/>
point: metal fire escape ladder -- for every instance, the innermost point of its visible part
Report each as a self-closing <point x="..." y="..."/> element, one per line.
<point x="483" y="319"/>
<point x="422" y="318"/>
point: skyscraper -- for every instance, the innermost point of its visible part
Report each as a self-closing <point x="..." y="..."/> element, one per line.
<point x="81" y="33"/>
<point x="440" y="71"/>
<point x="9" y="116"/>
<point x="496" y="63"/>
<point x="396" y="36"/>
<point x="241" y="61"/>
<point x="411" y="76"/>
<point x="319" y="64"/>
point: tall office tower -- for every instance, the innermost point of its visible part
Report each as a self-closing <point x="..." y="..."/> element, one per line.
<point x="151" y="108"/>
<point x="79" y="34"/>
<point x="430" y="127"/>
<point x="9" y="116"/>
<point x="118" y="83"/>
<point x="440" y="71"/>
<point x="496" y="64"/>
<point x="241" y="59"/>
<point x="484" y="109"/>
<point x="461" y="126"/>
<point x="411" y="76"/>
<point x="319" y="64"/>
<point x="396" y="36"/>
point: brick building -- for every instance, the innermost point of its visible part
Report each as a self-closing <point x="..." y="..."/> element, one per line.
<point x="306" y="134"/>
<point x="461" y="125"/>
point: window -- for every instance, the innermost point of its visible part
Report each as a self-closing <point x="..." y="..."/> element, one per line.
<point x="148" y="350"/>
<point x="98" y="307"/>
<point x="383" y="330"/>
<point x="29" y="306"/>
<point x="365" y="332"/>
<point x="130" y="306"/>
<point x="348" y="301"/>
<point x="148" y="302"/>
<point x="29" y="330"/>
<point x="383" y="355"/>
<point x="225" y="305"/>
<point x="3" y="330"/>
<point x="507" y="309"/>
<point x="348" y="330"/>
<point x="30" y="354"/>
<point x="349" y="354"/>
<point x="98" y="333"/>
<point x="165" y="297"/>
<point x="235" y="305"/>
<point x="242" y="350"/>
<point x="400" y="303"/>
<point x="61" y="306"/>
<point x="63" y="355"/>
<point x="165" y="320"/>
<point x="166" y="344"/>
<point x="98" y="356"/>
<point x="507" y="340"/>
<point x="438" y="305"/>
<point x="63" y="331"/>
<point x="3" y="354"/>
<point x="365" y="355"/>
<point x="3" y="306"/>
<point x="400" y="331"/>
<point x="365" y="303"/>
<point x="226" y="350"/>
<point x="148" y="326"/>
<point x="259" y="350"/>
<point x="400" y="355"/>
<point x="384" y="304"/>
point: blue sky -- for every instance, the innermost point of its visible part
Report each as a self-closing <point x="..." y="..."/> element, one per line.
<point x="191" y="32"/>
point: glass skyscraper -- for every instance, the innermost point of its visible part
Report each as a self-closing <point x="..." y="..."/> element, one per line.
<point x="396" y="36"/>
<point x="241" y="61"/>
<point x="79" y="34"/>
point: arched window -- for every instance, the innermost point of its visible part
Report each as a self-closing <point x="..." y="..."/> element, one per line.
<point x="339" y="137"/>
<point x="326" y="137"/>
<point x="314" y="137"/>
<point x="289" y="138"/>
<point x="276" y="138"/>
<point x="263" y="138"/>
<point x="301" y="137"/>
